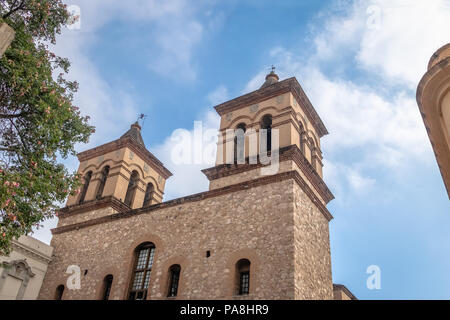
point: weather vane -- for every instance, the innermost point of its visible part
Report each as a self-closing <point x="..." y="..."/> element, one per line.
<point x="273" y="68"/>
<point x="142" y="117"/>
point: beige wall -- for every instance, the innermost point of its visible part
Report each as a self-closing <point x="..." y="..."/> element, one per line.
<point x="446" y="115"/>
<point x="6" y="37"/>
<point x="32" y="256"/>
<point x="433" y="98"/>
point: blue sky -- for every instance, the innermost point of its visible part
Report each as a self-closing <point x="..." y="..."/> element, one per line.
<point x="358" y="61"/>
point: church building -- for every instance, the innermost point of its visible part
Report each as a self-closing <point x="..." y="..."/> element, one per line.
<point x="250" y="236"/>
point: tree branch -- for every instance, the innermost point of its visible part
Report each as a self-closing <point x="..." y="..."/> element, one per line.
<point x="12" y="116"/>
<point x="14" y="10"/>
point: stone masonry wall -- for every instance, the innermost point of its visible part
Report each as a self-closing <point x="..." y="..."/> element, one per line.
<point x="313" y="278"/>
<point x="284" y="166"/>
<point x="255" y="223"/>
<point x="77" y="218"/>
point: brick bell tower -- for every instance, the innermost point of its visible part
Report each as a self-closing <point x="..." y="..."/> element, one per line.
<point x="118" y="176"/>
<point x="280" y="106"/>
<point x="290" y="122"/>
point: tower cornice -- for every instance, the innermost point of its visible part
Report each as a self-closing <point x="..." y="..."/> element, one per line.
<point x="290" y="175"/>
<point x="126" y="142"/>
<point x="286" y="153"/>
<point x="276" y="89"/>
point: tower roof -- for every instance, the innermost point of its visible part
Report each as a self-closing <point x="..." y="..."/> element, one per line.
<point x="273" y="90"/>
<point x="131" y="139"/>
<point x="271" y="79"/>
<point x="134" y="134"/>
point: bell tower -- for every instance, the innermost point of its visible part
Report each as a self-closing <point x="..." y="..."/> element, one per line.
<point x="278" y="122"/>
<point x="277" y="116"/>
<point x="120" y="175"/>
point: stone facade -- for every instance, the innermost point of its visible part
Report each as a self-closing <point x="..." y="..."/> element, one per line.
<point x="259" y="224"/>
<point x="278" y="223"/>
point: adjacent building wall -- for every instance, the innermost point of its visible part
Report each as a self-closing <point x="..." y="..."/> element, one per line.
<point x="6" y="37"/>
<point x="433" y="98"/>
<point x="23" y="271"/>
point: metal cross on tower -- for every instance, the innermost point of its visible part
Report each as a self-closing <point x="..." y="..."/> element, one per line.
<point x="142" y="117"/>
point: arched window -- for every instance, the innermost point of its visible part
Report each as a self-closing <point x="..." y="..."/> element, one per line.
<point x="148" y="195"/>
<point x="266" y="140"/>
<point x="107" y="283"/>
<point x="174" y="279"/>
<point x="243" y="277"/>
<point x="144" y="256"/>
<point x="59" y="292"/>
<point x="103" y="178"/>
<point x="132" y="186"/>
<point x="239" y="143"/>
<point x="87" y="180"/>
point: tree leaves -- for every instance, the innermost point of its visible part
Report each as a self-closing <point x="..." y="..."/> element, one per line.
<point x="38" y="122"/>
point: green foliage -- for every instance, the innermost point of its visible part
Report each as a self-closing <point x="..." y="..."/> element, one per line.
<point x="38" y="122"/>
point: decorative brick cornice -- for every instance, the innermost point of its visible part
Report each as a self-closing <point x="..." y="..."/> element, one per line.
<point x="288" y="85"/>
<point x="202" y="196"/>
<point x="126" y="142"/>
<point x="291" y="152"/>
<point x="92" y="205"/>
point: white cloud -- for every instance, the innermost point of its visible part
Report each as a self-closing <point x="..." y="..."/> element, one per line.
<point x="378" y="124"/>
<point x="219" y="95"/>
<point x="173" y="29"/>
<point x="175" y="43"/>
<point x="388" y="129"/>
<point x="346" y="179"/>
<point x="187" y="177"/>
<point x="389" y="39"/>
<point x="173" y="35"/>
<point x="358" y="182"/>
<point x="96" y="97"/>
<point x="255" y="83"/>
<point x="409" y="33"/>
<point x="359" y="117"/>
<point x="394" y="38"/>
